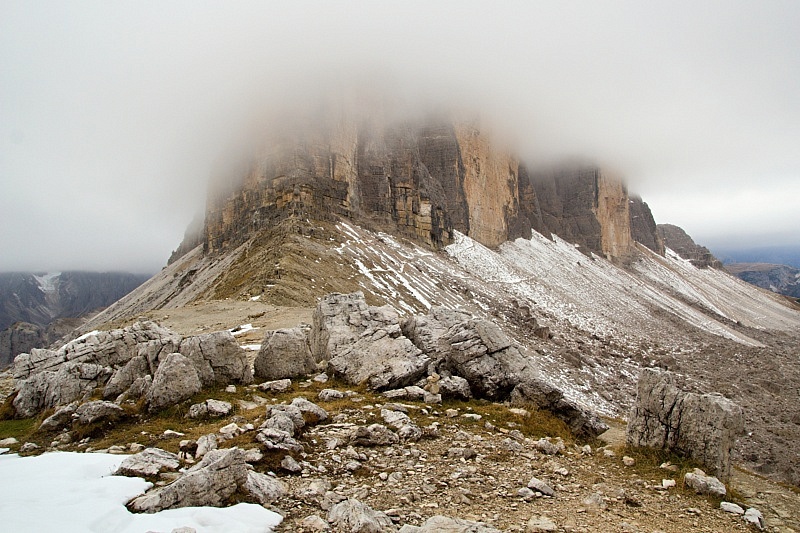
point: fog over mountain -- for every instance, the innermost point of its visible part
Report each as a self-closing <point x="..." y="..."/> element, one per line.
<point x="115" y="115"/>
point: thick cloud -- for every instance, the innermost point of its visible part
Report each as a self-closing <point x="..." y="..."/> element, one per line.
<point x="115" y="115"/>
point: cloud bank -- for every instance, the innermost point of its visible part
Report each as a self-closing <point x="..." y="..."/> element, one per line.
<point x="116" y="115"/>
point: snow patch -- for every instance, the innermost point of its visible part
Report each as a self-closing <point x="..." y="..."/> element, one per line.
<point x="251" y="347"/>
<point x="75" y="492"/>
<point x="241" y="330"/>
<point x="47" y="282"/>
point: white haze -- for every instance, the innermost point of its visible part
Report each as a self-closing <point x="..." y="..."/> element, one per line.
<point x="114" y="115"/>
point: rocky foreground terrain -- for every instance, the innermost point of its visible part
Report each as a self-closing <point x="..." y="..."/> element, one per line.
<point x="330" y="454"/>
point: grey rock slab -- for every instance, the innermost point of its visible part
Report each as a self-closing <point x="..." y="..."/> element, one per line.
<point x="730" y="507"/>
<point x="327" y="395"/>
<point x="540" y="524"/>
<point x="357" y="517"/>
<point x="278" y="385"/>
<point x="703" y="484"/>
<point x="374" y="435"/>
<point x="540" y="486"/>
<point x="703" y="427"/>
<point x="755" y="518"/>
<point x="312" y="413"/>
<point x="175" y="380"/>
<point x="263" y="488"/>
<point x="60" y="419"/>
<point x="209" y="483"/>
<point x="98" y="411"/>
<point x="446" y="524"/>
<point x="284" y="353"/>
<point x="148" y="463"/>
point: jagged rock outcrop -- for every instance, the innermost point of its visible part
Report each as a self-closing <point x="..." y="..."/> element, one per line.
<point x="585" y="206"/>
<point x="208" y="483"/>
<point x="366" y="344"/>
<point x="643" y="226"/>
<point x="682" y="244"/>
<point x="127" y="364"/>
<point x="284" y="353"/>
<point x="700" y="426"/>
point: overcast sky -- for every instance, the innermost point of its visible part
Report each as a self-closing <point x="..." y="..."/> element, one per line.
<point x="113" y="115"/>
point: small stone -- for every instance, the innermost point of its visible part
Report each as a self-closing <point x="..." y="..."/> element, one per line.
<point x="314" y="523"/>
<point x="753" y="516"/>
<point x="540" y="524"/>
<point x="668" y="483"/>
<point x="540" y="486"/>
<point x="10" y="441"/>
<point x="525" y="493"/>
<point x="628" y="461"/>
<point x="135" y="447"/>
<point x="327" y="395"/>
<point x="461" y="453"/>
<point x="218" y="408"/>
<point x="594" y="502"/>
<point x="609" y="453"/>
<point x="550" y="447"/>
<point x="29" y="447"/>
<point x="586" y="450"/>
<point x="451" y="413"/>
<point x="352" y="466"/>
<point x="289" y="464"/>
<point x="730" y="507"/>
<point x="703" y="484"/>
<point x="321" y="378"/>
<point x="472" y="416"/>
<point x="231" y="389"/>
<point x="278" y="385"/>
<point x="171" y="434"/>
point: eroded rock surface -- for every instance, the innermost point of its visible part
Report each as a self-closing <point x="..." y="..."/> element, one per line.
<point x="704" y="427"/>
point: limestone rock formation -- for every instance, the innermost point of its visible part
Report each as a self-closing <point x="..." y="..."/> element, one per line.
<point x="127" y="364"/>
<point x="175" y="380"/>
<point x="643" y="226"/>
<point x="209" y="483"/>
<point x="681" y="243"/>
<point x="583" y="205"/>
<point x="782" y="279"/>
<point x="284" y="353"/>
<point x="700" y="426"/>
<point x="148" y="463"/>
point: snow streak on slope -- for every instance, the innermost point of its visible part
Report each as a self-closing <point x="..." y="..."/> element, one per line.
<point x="47" y="282"/>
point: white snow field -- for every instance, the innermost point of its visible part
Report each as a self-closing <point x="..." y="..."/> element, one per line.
<point x="76" y="493"/>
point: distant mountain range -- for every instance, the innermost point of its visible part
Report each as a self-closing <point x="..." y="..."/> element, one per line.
<point x="36" y="308"/>
<point x="776" y="255"/>
<point x="782" y="279"/>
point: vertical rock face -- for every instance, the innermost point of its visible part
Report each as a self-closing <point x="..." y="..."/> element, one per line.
<point x="582" y="205"/>
<point x="419" y="179"/>
<point x="681" y="243"/>
<point x="700" y="426"/>
<point x="643" y="226"/>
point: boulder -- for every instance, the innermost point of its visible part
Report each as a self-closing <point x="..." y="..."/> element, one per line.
<point x="175" y="380"/>
<point x="284" y="353"/>
<point x="540" y="486"/>
<point x="123" y="378"/>
<point x="60" y="419"/>
<point x="212" y="408"/>
<point x="311" y="412"/>
<point x="211" y="482"/>
<point x="479" y="351"/>
<point x="293" y="412"/>
<point x="754" y="517"/>
<point x="46" y="389"/>
<point x="327" y="395"/>
<point x="338" y="320"/>
<point x="276" y="439"/>
<point x="379" y="360"/>
<point x="148" y="463"/>
<point x="445" y="524"/>
<point x="454" y="387"/>
<point x="356" y="517"/>
<point x="703" y="484"/>
<point x="374" y="435"/>
<point x="205" y="444"/>
<point x="98" y="411"/>
<point x="263" y="488"/>
<point x="217" y="358"/>
<point x="703" y="427"/>
<point x="547" y="397"/>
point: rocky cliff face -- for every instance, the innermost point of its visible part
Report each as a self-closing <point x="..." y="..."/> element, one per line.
<point x="421" y="180"/>
<point x="643" y="226"/>
<point x="585" y="206"/>
<point x="681" y="243"/>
